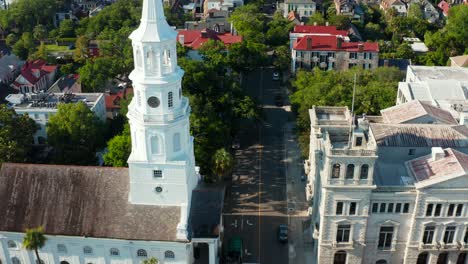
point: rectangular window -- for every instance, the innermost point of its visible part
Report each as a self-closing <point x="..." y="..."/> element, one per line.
<point x="375" y="207"/>
<point x="459" y="210"/>
<point x="449" y="234"/>
<point x="437" y="210"/>
<point x="398" y="208"/>
<point x="353" y="55"/>
<point x="352" y="208"/>
<point x="370" y="56"/>
<point x="385" y="237"/>
<point x="358" y="141"/>
<point x="411" y="152"/>
<point x="406" y="208"/>
<point x="429" y="209"/>
<point x="428" y="235"/>
<point x="390" y="208"/>
<point x="339" y="208"/>
<point x="342" y="233"/>
<point x="465" y="239"/>
<point x="382" y="207"/>
<point x="450" y="210"/>
<point x="157" y="173"/>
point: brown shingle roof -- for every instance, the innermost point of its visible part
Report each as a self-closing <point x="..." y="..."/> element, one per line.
<point x="79" y="201"/>
<point x="420" y="135"/>
<point x="415" y="109"/>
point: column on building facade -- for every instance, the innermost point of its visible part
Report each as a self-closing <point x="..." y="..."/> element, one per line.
<point x="212" y="253"/>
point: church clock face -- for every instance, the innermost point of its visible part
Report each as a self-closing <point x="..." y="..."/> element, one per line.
<point x="153" y="102"/>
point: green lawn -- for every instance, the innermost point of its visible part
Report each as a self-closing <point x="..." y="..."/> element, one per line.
<point x="56" y="48"/>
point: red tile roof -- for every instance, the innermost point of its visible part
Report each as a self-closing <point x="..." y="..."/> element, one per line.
<point x="453" y="163"/>
<point x="35" y="70"/>
<point x="445" y="7"/>
<point x="329" y="43"/>
<point x="330" y="30"/>
<point x="113" y="100"/>
<point x="194" y="38"/>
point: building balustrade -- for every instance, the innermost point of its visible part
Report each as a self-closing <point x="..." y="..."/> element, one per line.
<point x="352" y="152"/>
<point x="348" y="182"/>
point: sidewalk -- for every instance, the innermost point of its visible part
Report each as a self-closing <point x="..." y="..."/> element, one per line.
<point x="300" y="238"/>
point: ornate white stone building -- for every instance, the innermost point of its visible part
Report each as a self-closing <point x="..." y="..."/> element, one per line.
<point x="155" y="208"/>
<point x="390" y="188"/>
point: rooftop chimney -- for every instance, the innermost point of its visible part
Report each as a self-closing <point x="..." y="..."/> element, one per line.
<point x="204" y="33"/>
<point x="309" y="42"/>
<point x="181" y="39"/>
<point x="315" y="23"/>
<point x="339" y="42"/>
<point x="326" y="23"/>
<point x="437" y="153"/>
<point x="361" y="47"/>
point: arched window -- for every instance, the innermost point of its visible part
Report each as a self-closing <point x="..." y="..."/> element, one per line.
<point x="87" y="250"/>
<point x="381" y="261"/>
<point x="64" y="262"/>
<point x="114" y="252"/>
<point x="461" y="258"/>
<point x="169" y="254"/>
<point x="180" y="93"/>
<point x="422" y="258"/>
<point x="167" y="56"/>
<point x="61" y="248"/>
<point x="12" y="244"/>
<point x="364" y="172"/>
<point x="170" y="100"/>
<point x="15" y="260"/>
<point x="443" y="258"/>
<point x="340" y="257"/>
<point x="138" y="57"/>
<point x="142" y="253"/>
<point x="176" y="142"/>
<point x="350" y="171"/>
<point x="155" y="145"/>
<point x="336" y="171"/>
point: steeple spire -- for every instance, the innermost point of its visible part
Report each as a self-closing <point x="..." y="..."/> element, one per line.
<point x="153" y="26"/>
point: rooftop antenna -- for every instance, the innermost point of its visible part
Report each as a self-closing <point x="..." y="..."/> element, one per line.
<point x="352" y="113"/>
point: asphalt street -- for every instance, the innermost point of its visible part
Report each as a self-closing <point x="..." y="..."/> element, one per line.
<point x="256" y="201"/>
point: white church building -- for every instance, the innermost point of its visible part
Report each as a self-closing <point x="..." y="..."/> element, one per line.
<point x="101" y="215"/>
<point x="390" y="188"/>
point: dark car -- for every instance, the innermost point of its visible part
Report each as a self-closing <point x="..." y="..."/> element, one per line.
<point x="278" y="100"/>
<point x="283" y="233"/>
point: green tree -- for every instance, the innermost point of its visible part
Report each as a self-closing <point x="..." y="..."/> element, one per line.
<point x="34" y="239"/>
<point x="246" y="56"/>
<point x="11" y="40"/>
<point x="81" y="52"/>
<point x="215" y="52"/>
<point x="341" y="22"/>
<point x="222" y="163"/>
<point x="24" y="46"/>
<point x="249" y="22"/>
<point x="14" y="146"/>
<point x="373" y="31"/>
<point x="41" y="52"/>
<point x="282" y="58"/>
<point x="316" y="19"/>
<point x="151" y="260"/>
<point x="278" y="30"/>
<point x="415" y="11"/>
<point x="75" y="134"/>
<point x="118" y="149"/>
<point x="40" y="32"/>
<point x="95" y="74"/>
<point x="404" y="51"/>
<point x="67" y="28"/>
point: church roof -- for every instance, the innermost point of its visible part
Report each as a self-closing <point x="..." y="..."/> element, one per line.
<point x="79" y="201"/>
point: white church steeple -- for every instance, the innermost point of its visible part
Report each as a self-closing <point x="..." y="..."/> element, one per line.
<point x="161" y="164"/>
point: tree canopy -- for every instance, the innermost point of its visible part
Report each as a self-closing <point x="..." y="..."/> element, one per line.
<point x="249" y="22"/>
<point x="75" y="133"/>
<point x="16" y="135"/>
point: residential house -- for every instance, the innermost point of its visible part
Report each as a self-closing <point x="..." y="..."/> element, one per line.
<point x="442" y="87"/>
<point x="154" y="208"/>
<point x="333" y="53"/>
<point x="416" y="45"/>
<point x="294" y="18"/>
<point x="196" y="38"/>
<point x="300" y="31"/>
<point x="303" y="8"/>
<point x="349" y="8"/>
<point x="113" y="101"/>
<point x="401" y="64"/>
<point x="35" y="76"/>
<point x="40" y="107"/>
<point x="225" y="5"/>
<point x="10" y="66"/>
<point x="459" y="61"/>
<point x="400" y="6"/>
<point x="216" y="20"/>
<point x="66" y="84"/>
<point x="388" y="189"/>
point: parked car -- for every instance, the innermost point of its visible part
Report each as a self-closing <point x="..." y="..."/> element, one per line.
<point x="276" y="76"/>
<point x="278" y="100"/>
<point x="283" y="233"/>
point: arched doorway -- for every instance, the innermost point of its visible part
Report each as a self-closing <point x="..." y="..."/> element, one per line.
<point x="340" y="257"/>
<point x="461" y="258"/>
<point x="442" y="258"/>
<point x="422" y="258"/>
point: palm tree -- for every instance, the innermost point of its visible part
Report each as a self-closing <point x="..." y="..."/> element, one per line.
<point x="151" y="260"/>
<point x="222" y="163"/>
<point x="34" y="240"/>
